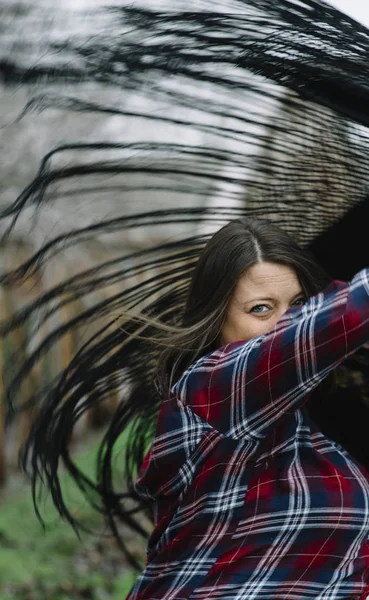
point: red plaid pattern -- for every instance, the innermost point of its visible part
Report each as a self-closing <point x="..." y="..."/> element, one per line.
<point x="252" y="500"/>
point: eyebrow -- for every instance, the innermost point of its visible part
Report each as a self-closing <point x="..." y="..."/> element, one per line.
<point x="301" y="293"/>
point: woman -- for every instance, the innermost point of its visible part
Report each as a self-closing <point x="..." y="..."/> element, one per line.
<point x="252" y="500"/>
<point x="322" y="55"/>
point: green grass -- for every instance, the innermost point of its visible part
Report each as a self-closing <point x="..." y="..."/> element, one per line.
<point x="55" y="564"/>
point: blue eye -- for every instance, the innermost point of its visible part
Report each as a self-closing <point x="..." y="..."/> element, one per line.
<point x="299" y="302"/>
<point x="257" y="308"/>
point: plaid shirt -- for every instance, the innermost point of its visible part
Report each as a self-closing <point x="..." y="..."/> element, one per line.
<point x="252" y="500"/>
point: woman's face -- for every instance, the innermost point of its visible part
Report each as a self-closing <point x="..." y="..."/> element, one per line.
<point x="262" y="295"/>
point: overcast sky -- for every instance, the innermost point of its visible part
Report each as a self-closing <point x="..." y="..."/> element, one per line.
<point x="358" y="9"/>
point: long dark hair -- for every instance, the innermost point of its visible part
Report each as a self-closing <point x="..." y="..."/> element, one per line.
<point x="229" y="253"/>
<point x="139" y="356"/>
<point x="285" y="181"/>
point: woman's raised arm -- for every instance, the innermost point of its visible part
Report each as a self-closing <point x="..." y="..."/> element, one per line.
<point x="244" y="388"/>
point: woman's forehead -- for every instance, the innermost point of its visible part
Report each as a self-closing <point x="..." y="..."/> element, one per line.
<point x="268" y="278"/>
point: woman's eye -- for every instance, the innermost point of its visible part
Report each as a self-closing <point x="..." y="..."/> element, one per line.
<point x="299" y="302"/>
<point x="259" y="308"/>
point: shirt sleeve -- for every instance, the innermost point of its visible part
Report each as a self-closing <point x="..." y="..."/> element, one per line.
<point x="244" y="388"/>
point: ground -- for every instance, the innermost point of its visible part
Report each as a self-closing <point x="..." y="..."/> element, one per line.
<point x="55" y="564"/>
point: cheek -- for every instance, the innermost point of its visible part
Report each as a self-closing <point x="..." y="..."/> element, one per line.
<point x="243" y="327"/>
